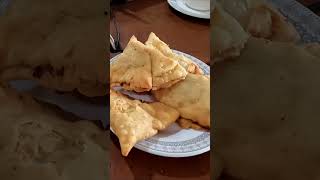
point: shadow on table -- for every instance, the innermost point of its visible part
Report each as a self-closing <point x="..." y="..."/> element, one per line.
<point x="145" y="166"/>
<point x="137" y="5"/>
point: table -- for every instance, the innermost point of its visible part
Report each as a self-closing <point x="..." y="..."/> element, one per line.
<point x="143" y="166"/>
<point x="187" y="34"/>
<point x="181" y="32"/>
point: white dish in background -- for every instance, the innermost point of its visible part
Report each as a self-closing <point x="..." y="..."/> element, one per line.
<point x="175" y="141"/>
<point x="195" y="8"/>
<point x="198" y="5"/>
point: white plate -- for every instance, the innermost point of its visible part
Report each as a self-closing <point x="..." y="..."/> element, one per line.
<point x="175" y="141"/>
<point x="195" y="8"/>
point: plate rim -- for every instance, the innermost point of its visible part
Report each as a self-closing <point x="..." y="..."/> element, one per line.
<point x="149" y="150"/>
<point x="173" y="4"/>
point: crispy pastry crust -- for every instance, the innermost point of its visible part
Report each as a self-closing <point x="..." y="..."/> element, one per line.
<point x="186" y="63"/>
<point x="133" y="121"/>
<point x="191" y="97"/>
<point x="132" y="69"/>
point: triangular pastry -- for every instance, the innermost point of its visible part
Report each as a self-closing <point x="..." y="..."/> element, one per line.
<point x="185" y="62"/>
<point x="133" y="121"/>
<point x="163" y="114"/>
<point x="261" y="19"/>
<point x="228" y="38"/>
<point x="165" y="70"/>
<point x="132" y="70"/>
<point x="191" y="97"/>
<point x="129" y="121"/>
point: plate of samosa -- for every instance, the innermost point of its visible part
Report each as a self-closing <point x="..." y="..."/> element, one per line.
<point x="159" y="100"/>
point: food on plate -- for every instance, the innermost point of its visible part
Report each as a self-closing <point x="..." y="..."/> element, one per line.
<point x="129" y="121"/>
<point x="61" y="49"/>
<point x="38" y="141"/>
<point x="132" y="120"/>
<point x="191" y="97"/>
<point x="154" y="41"/>
<point x="228" y="38"/>
<point x="185" y="62"/>
<point x="267" y="103"/>
<point x="260" y="23"/>
<point x="165" y="71"/>
<point x="163" y="115"/>
<point x="132" y="70"/>
<point x="143" y="68"/>
<point x="188" y="64"/>
<point x="266" y="22"/>
<point x="188" y="124"/>
<point x="261" y="19"/>
<point x="154" y="67"/>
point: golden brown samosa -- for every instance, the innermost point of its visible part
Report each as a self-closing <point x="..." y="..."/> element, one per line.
<point x="132" y="69"/>
<point x="228" y="37"/>
<point x="191" y="97"/>
<point x="165" y="71"/>
<point x="261" y="19"/>
<point x="133" y="121"/>
<point x="185" y="62"/>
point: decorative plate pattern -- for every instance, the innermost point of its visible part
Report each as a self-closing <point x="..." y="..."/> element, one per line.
<point x="181" y="6"/>
<point x="306" y="22"/>
<point x="175" y="141"/>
